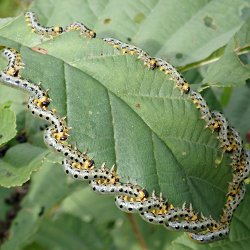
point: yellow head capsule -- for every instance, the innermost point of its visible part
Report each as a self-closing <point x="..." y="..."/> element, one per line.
<point x="58" y="29"/>
<point x="142" y="194"/>
<point x="92" y="34"/>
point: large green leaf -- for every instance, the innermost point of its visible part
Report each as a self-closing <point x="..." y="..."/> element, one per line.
<point x="122" y="104"/>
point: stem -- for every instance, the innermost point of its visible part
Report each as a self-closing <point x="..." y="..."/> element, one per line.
<point x="210" y="60"/>
<point x="136" y="231"/>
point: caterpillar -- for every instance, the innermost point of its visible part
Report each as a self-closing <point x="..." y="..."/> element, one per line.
<point x="234" y="198"/>
<point x="243" y="169"/>
<point x="129" y="205"/>
<point x="151" y="62"/>
<point x="130" y="197"/>
<point x="192" y="226"/>
<point x="132" y="50"/>
<point x="82" y="173"/>
<point x="53" y="31"/>
<point x="204" y="109"/>
<point x="25" y="85"/>
<point x="48" y="115"/>
<point x="167" y="68"/>
<point x="168" y="213"/>
<point x="81" y="159"/>
<point x="14" y="61"/>
<point x="220" y="124"/>
<point x="236" y="143"/>
<point x="212" y="235"/>
<point x="118" y="188"/>
<point x="82" y="28"/>
<point x="36" y="27"/>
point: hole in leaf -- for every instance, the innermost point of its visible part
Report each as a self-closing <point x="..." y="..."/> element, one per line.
<point x="248" y="82"/>
<point x="107" y="20"/>
<point x="245" y="12"/>
<point x="179" y="55"/>
<point x="245" y="58"/>
<point x="41" y="212"/>
<point x="248" y="136"/>
<point x="209" y="22"/>
<point x="139" y="18"/>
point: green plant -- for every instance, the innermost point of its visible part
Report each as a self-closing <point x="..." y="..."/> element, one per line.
<point x="102" y="94"/>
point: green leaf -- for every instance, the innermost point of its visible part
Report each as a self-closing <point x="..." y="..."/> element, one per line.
<point x="113" y="108"/>
<point x="7" y="125"/>
<point x="230" y="70"/>
<point x="11" y="7"/>
<point x="238" y="109"/>
<point x="4" y="193"/>
<point x="73" y="234"/>
<point x="18" y="164"/>
<point x="47" y="189"/>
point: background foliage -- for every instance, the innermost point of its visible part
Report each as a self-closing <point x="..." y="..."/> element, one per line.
<point x="115" y="107"/>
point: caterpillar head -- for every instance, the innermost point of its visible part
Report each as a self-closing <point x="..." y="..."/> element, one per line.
<point x="58" y="30"/>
